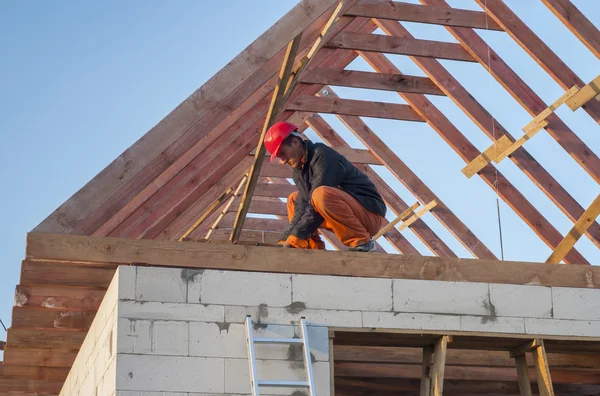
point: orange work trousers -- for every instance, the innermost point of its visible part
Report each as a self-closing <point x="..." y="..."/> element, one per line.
<point x="344" y="215"/>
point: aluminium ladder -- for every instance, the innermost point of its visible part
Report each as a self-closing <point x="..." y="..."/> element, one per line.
<point x="303" y="340"/>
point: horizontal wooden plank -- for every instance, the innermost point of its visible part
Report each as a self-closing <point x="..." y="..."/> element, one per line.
<point x="352" y="107"/>
<point x="357" y="156"/>
<point x="350" y="386"/>
<point x="274" y="190"/>
<point x="248" y="236"/>
<point x="39" y="357"/>
<point x="258" y="206"/>
<point x="59" y="297"/>
<point x="35" y="373"/>
<point x="406" y="12"/>
<point x="200" y="255"/>
<point x="400" y="46"/>
<point x="369" y="80"/>
<point x="67" y="274"/>
<point x="472" y="373"/>
<point x="275" y="169"/>
<point x="45" y="338"/>
<point x="30" y="386"/>
<point x="253" y="223"/>
<point x="51" y="318"/>
<point x="460" y="357"/>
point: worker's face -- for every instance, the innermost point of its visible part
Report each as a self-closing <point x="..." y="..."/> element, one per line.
<point x="291" y="153"/>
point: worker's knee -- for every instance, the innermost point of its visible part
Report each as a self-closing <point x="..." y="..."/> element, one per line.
<point x="320" y="195"/>
<point x="292" y="198"/>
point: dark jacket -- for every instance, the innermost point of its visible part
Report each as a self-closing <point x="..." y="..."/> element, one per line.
<point x="326" y="167"/>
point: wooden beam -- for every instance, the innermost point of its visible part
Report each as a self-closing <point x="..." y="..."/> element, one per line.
<point x="406" y="12"/>
<point x="39" y="387"/>
<point x="277" y="101"/>
<point x="485" y="158"/>
<point x="439" y="366"/>
<point x="467" y="151"/>
<point x="59" y="297"/>
<point x="66" y="274"/>
<point x="461" y="357"/>
<point x="357" y="156"/>
<point x="537" y="49"/>
<point x="494" y="130"/>
<point x="254" y="223"/>
<point x="266" y="207"/>
<point x="580" y="227"/>
<point x="30" y="317"/>
<point x="586" y="95"/>
<point x="526" y="347"/>
<point x="39" y="357"/>
<point x="406" y="176"/>
<point x="542" y="370"/>
<point x="426" y="367"/>
<point x="200" y="255"/>
<point x="400" y="46"/>
<point x="577" y="23"/>
<point x="524" y="95"/>
<point x="369" y="80"/>
<point x="274" y="190"/>
<point x="34" y="373"/>
<point x="41" y="338"/>
<point x="523" y="375"/>
<point x="335" y="105"/>
<point x="225" y="209"/>
<point x="249" y="236"/>
<point x="392" y="199"/>
<point x="230" y="85"/>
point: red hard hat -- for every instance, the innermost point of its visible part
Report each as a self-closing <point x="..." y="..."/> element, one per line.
<point x="276" y="135"/>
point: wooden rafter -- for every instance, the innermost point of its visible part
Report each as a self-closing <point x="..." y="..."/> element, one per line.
<point x="367" y="80"/>
<point x="400" y="46"/>
<point x="524" y="95"/>
<point x="467" y="151"/>
<point x="354" y="108"/>
<point x="577" y="23"/>
<point x="537" y="49"/>
<point x="494" y="130"/>
<point x="407" y="177"/>
<point x="400" y="11"/>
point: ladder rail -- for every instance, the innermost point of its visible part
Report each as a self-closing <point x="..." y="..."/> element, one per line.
<point x="251" y="357"/>
<point x="307" y="359"/>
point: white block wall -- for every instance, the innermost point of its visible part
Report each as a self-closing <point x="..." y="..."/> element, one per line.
<point x="181" y="332"/>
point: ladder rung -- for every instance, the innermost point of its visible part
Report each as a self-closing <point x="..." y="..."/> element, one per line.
<point x="278" y="341"/>
<point x="289" y="384"/>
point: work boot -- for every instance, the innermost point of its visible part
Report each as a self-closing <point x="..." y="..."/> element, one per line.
<point x="368" y="246"/>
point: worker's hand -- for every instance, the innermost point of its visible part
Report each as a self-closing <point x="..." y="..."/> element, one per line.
<point x="286" y="244"/>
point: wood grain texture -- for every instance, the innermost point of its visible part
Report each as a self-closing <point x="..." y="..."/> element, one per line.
<point x="198" y="255"/>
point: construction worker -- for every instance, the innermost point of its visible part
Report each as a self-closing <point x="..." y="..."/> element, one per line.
<point x="332" y="193"/>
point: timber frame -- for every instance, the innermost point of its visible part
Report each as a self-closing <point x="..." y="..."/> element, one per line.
<point x="189" y="183"/>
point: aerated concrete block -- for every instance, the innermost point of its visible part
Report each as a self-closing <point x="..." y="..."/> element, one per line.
<point x="171" y="311"/>
<point x="578" y="304"/>
<point x="346" y="293"/>
<point x="582" y="328"/>
<point x="160" y="284"/>
<point x="170" y="373"/>
<point x="234" y="287"/>
<point x="521" y="300"/>
<point x="441" y="297"/>
<point x="412" y="321"/>
<point x="492" y="324"/>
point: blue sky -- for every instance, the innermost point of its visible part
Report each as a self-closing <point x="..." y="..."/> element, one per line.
<point x="81" y="81"/>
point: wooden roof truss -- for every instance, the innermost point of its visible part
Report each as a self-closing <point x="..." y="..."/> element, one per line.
<point x="188" y="177"/>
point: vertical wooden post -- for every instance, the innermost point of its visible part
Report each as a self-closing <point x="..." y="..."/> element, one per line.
<point x="434" y="364"/>
<point x="426" y="370"/>
<point x="523" y="374"/>
<point x="542" y="370"/>
<point x="331" y="365"/>
<point x="439" y="366"/>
